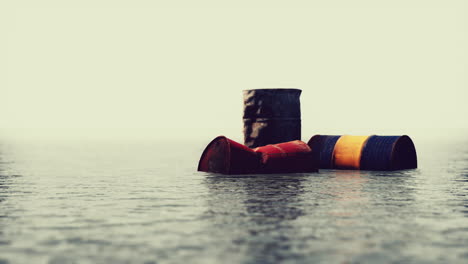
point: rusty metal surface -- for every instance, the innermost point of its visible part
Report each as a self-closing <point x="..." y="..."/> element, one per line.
<point x="389" y="153"/>
<point x="271" y="116"/>
<point x="379" y="153"/>
<point x="226" y="156"/>
<point x="290" y="157"/>
<point x="322" y="148"/>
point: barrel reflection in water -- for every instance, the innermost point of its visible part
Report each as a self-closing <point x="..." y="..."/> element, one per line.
<point x="95" y="203"/>
<point x="262" y="219"/>
<point x="460" y="191"/>
<point x="7" y="206"/>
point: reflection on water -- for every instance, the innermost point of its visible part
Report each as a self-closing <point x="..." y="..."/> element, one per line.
<point x="460" y="190"/>
<point x="265" y="212"/>
<point x="7" y="180"/>
<point x="348" y="194"/>
<point x="143" y="202"/>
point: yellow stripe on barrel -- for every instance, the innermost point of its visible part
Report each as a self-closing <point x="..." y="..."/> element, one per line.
<point x="347" y="152"/>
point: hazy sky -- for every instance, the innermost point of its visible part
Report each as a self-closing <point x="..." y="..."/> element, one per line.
<point x="138" y="69"/>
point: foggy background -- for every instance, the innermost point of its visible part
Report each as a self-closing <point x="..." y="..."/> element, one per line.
<point x="176" y="70"/>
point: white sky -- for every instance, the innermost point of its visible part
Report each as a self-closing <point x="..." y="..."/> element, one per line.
<point x="136" y="69"/>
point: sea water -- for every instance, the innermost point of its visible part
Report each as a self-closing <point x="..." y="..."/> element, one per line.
<point x="144" y="202"/>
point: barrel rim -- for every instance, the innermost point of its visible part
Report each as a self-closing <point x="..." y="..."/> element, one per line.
<point x="267" y="119"/>
<point x="413" y="148"/>
<point x="273" y="89"/>
<point x="320" y="139"/>
<point x="315" y="137"/>
<point x="226" y="161"/>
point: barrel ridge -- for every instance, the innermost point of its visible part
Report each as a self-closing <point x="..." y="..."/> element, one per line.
<point x="271" y="103"/>
<point x="263" y="119"/>
<point x="271" y="116"/>
<point x="294" y="156"/>
<point x="322" y="147"/>
<point x="271" y="131"/>
<point x="378" y="153"/>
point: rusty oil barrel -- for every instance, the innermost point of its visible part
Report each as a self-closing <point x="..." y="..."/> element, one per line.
<point x="322" y="148"/>
<point x="271" y="116"/>
<point x="226" y="156"/>
<point x="289" y="157"/>
<point x="364" y="152"/>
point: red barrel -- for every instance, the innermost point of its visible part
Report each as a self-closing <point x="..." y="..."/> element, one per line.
<point x="290" y="157"/>
<point x="226" y="156"/>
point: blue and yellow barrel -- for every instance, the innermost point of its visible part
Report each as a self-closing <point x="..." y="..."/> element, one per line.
<point x="364" y="152"/>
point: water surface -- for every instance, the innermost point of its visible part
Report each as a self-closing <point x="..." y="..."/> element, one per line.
<point x="143" y="202"/>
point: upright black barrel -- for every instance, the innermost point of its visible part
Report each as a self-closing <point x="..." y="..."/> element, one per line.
<point x="271" y="116"/>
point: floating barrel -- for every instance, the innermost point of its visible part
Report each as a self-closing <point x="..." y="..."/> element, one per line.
<point x="364" y="152"/>
<point x="290" y="157"/>
<point x="389" y="153"/>
<point x="322" y="149"/>
<point x="226" y="156"/>
<point x="271" y="116"/>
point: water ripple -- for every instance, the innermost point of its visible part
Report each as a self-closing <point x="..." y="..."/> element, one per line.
<point x="97" y="204"/>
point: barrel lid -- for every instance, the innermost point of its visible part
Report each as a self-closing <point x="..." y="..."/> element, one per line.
<point x="404" y="154"/>
<point x="315" y="139"/>
<point x="273" y="89"/>
<point x="216" y="156"/>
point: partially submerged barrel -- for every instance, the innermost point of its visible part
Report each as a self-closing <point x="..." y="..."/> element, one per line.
<point x="389" y="153"/>
<point x="271" y="116"/>
<point x="226" y="156"/>
<point x="289" y="157"/>
<point x="364" y="152"/>
<point x="322" y="149"/>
